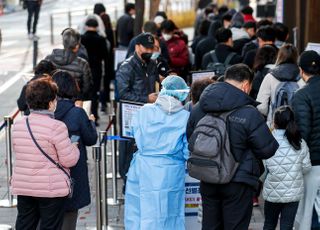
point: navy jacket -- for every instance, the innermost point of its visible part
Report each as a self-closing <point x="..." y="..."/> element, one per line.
<point x="78" y="124"/>
<point x="250" y="138"/>
<point x="124" y="29"/>
<point x="306" y="106"/>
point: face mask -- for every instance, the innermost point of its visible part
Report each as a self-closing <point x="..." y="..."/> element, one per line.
<point x="155" y="55"/>
<point x="146" y="56"/>
<point x="166" y="37"/>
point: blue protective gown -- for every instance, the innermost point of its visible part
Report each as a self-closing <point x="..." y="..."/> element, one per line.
<point x="155" y="189"/>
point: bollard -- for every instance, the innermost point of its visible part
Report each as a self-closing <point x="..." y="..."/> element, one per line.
<point x="104" y="184"/>
<point x="51" y="29"/>
<point x="96" y="154"/>
<point x="114" y="200"/>
<point x="35" y="52"/>
<point x="116" y="14"/>
<point x="69" y="19"/>
<point x="10" y="202"/>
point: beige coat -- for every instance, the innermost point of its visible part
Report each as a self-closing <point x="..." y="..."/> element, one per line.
<point x="267" y="93"/>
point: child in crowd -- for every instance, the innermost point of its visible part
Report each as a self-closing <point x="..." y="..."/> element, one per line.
<point x="283" y="187"/>
<point x="197" y="88"/>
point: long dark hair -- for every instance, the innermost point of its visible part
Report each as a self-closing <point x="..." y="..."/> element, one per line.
<point x="284" y="119"/>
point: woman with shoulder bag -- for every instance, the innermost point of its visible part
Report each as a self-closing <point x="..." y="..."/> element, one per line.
<point x="43" y="156"/>
<point x="82" y="129"/>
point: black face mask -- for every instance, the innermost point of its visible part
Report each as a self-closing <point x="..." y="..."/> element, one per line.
<point x="146" y="56"/>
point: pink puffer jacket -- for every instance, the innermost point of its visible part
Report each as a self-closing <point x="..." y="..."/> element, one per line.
<point x="34" y="175"/>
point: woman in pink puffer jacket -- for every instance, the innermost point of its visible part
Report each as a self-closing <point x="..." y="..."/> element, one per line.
<point x="40" y="185"/>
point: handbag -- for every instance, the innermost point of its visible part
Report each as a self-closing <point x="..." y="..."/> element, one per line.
<point x="53" y="162"/>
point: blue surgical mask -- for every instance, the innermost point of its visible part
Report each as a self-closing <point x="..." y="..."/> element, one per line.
<point x="155" y="55"/>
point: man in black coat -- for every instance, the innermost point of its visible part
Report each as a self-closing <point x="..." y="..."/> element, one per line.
<point x="124" y="29"/>
<point x="223" y="49"/>
<point x="306" y="103"/>
<point x="266" y="35"/>
<point x="136" y="79"/>
<point x="96" y="47"/>
<point x="207" y="44"/>
<point x="229" y="206"/>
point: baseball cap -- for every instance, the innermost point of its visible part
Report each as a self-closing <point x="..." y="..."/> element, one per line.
<point x="146" y="40"/>
<point x="310" y="62"/>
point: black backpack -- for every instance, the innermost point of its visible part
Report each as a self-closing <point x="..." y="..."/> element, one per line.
<point x="217" y="67"/>
<point x="211" y="159"/>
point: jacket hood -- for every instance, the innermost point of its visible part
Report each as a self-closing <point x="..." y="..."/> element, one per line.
<point x="222" y="96"/>
<point x="169" y="104"/>
<point x="62" y="57"/>
<point x="63" y="107"/>
<point x="286" y="72"/>
<point x="238" y="34"/>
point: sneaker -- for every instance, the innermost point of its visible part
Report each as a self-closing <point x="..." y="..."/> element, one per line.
<point x="255" y="201"/>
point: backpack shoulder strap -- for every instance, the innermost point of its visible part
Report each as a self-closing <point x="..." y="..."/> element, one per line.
<point x="214" y="56"/>
<point x="229" y="58"/>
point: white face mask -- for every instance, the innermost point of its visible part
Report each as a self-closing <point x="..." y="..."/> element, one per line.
<point x="167" y="37"/>
<point x="155" y="55"/>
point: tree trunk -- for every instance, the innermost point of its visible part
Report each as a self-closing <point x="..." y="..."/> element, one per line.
<point x="154" y="7"/>
<point x="138" y="22"/>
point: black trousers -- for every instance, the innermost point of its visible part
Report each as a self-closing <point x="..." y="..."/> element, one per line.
<point x="226" y="206"/>
<point x="31" y="210"/>
<point x="287" y="211"/>
<point x="33" y="10"/>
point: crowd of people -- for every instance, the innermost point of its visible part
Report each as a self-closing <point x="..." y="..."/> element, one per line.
<point x="261" y="91"/>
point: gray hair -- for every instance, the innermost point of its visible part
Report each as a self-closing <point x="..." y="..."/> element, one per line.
<point x="70" y="38"/>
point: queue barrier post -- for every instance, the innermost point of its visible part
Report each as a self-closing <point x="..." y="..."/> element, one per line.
<point x="10" y="201"/>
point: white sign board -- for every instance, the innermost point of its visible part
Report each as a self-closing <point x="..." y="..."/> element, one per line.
<point x="127" y="110"/>
<point x="192" y="202"/>
<point x="313" y="46"/>
<point x="119" y="56"/>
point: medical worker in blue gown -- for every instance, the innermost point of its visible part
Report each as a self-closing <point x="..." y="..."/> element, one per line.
<point x="155" y="189"/>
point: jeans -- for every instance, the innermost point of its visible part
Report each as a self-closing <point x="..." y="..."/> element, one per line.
<point x="31" y="210"/>
<point x="226" y="206"/>
<point x="33" y="9"/>
<point x="287" y="211"/>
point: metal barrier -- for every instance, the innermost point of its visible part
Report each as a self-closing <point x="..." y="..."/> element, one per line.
<point x="69" y="15"/>
<point x="104" y="184"/>
<point x="35" y="51"/>
<point x="96" y="155"/>
<point x="8" y="121"/>
<point x="100" y="155"/>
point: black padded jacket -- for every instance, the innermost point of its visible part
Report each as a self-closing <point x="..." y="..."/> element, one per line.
<point x="306" y="106"/>
<point x="250" y="138"/>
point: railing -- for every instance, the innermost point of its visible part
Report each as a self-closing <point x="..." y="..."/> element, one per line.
<point x="100" y="156"/>
<point x="115" y="11"/>
<point x="10" y="201"/>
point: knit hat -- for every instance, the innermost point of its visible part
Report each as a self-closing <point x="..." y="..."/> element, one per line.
<point x="92" y="23"/>
<point x="176" y="87"/>
<point x="310" y="62"/>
